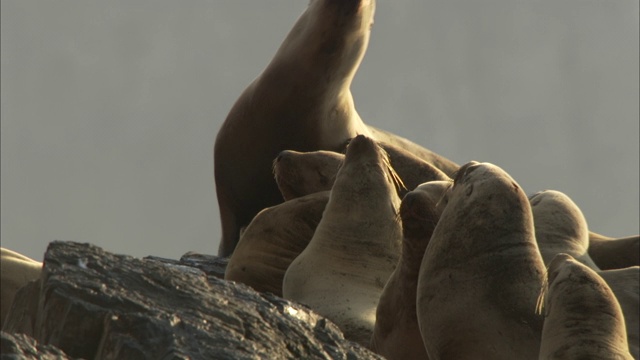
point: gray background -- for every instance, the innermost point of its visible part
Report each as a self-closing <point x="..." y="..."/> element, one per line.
<point x="110" y="109"/>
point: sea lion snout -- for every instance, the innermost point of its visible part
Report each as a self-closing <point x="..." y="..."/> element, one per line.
<point x="283" y="155"/>
<point x="360" y="145"/>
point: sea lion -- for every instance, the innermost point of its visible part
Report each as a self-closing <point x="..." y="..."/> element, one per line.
<point x="301" y="101"/>
<point x="16" y="271"/>
<point x="301" y="173"/>
<point x="275" y="237"/>
<point x="418" y="169"/>
<point x="560" y="227"/>
<point x="614" y="253"/>
<point x="625" y="284"/>
<point x="396" y="334"/>
<point x="356" y="246"/>
<point x="583" y="319"/>
<point x="481" y="272"/>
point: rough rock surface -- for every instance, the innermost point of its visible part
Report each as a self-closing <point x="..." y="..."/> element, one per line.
<point x="23" y="347"/>
<point x="93" y="304"/>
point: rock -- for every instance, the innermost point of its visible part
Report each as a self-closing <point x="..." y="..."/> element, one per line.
<point x="209" y="264"/>
<point x="98" y="305"/>
<point x="23" y="347"/>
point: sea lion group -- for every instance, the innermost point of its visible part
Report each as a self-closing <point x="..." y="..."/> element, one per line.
<point x="409" y="253"/>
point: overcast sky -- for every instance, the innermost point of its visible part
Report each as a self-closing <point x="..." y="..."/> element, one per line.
<point x="110" y="109"/>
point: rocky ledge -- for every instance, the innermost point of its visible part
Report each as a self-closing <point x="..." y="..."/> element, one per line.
<point x="92" y="304"/>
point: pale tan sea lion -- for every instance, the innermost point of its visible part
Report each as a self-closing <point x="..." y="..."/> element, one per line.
<point x="583" y="319"/>
<point x="301" y="101"/>
<point x="275" y="237"/>
<point x="16" y="270"/>
<point x="301" y="173"/>
<point x="356" y="246"/>
<point x="560" y="227"/>
<point x="614" y="253"/>
<point x="396" y="334"/>
<point x="482" y="272"/>
<point x="625" y="284"/>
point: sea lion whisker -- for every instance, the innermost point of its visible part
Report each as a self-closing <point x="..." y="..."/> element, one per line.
<point x="444" y="193"/>
<point x="544" y="289"/>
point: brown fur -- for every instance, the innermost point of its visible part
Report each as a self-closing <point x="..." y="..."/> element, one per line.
<point x="16" y="271"/>
<point x="301" y="101"/>
<point x="611" y="253"/>
<point x="302" y="173"/>
<point x="481" y="272"/>
<point x="583" y="319"/>
<point x="275" y="237"/>
<point x="355" y="247"/>
<point x="396" y="334"/>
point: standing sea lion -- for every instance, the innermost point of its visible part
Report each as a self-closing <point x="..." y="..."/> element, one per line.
<point x="302" y="101"/>
<point x="275" y="237"/>
<point x="16" y="270"/>
<point x="356" y="246"/>
<point x="560" y="227"/>
<point x="583" y="319"/>
<point x="396" y="334"/>
<point x="481" y="272"/>
<point x="302" y="173"/>
<point x="611" y="253"/>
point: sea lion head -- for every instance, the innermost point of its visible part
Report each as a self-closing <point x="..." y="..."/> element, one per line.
<point x="333" y="34"/>
<point x="438" y="192"/>
<point x="560" y="227"/>
<point x="482" y="193"/>
<point x="364" y="155"/>
<point x="302" y="173"/>
<point x="557" y="216"/>
<point x="566" y="272"/>
<point x="417" y="212"/>
<point x="583" y="318"/>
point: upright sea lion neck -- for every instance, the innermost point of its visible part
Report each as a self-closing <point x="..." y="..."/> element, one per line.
<point x="324" y="48"/>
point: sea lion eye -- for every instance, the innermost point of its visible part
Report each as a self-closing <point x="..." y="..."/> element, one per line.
<point x="469" y="189"/>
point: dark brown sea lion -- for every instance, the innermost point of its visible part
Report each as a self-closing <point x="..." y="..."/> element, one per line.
<point x="301" y="101"/>
<point x="396" y="334"/>
<point x="614" y="253"/>
<point x="275" y="237"/>
<point x="303" y="173"/>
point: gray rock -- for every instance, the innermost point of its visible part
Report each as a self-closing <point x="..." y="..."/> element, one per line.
<point x="23" y="347"/>
<point x="97" y="305"/>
